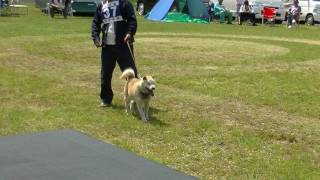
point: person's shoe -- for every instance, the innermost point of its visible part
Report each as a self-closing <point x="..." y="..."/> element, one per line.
<point x="104" y="104"/>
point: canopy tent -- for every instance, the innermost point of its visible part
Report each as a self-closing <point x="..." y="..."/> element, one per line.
<point x="193" y="9"/>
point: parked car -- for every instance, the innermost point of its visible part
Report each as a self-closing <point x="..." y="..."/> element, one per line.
<point x="257" y="6"/>
<point x="310" y="10"/>
<point x="84" y="6"/>
<point x="77" y="6"/>
<point x="144" y="6"/>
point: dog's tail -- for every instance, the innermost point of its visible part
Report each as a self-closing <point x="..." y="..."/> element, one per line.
<point x="128" y="74"/>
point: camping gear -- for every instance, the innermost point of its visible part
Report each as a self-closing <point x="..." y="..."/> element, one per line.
<point x="192" y="8"/>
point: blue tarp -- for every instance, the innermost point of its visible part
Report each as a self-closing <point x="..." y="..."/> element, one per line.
<point x="160" y="10"/>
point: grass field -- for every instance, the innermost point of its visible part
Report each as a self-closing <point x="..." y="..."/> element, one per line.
<point x="232" y="102"/>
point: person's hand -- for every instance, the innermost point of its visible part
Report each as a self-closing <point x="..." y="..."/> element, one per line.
<point x="97" y="43"/>
<point x="127" y="38"/>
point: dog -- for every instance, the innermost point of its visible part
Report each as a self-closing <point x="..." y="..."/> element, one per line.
<point x="138" y="93"/>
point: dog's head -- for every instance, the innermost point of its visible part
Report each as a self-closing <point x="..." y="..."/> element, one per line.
<point x="148" y="85"/>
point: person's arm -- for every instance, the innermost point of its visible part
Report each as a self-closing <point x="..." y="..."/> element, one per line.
<point x="131" y="20"/>
<point x="241" y="8"/>
<point x="96" y="27"/>
<point x="251" y="10"/>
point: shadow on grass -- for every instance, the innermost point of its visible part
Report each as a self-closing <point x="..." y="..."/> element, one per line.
<point x="153" y="120"/>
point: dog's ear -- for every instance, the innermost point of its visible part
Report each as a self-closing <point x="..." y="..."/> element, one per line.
<point x="144" y="78"/>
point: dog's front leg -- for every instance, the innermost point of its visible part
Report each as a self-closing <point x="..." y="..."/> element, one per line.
<point x="132" y="108"/>
<point x="141" y="112"/>
<point x="146" y="111"/>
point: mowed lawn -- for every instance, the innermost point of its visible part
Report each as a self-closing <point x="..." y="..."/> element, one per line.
<point x="232" y="102"/>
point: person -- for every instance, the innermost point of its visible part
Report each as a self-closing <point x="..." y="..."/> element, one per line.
<point x="55" y="6"/>
<point x="222" y="12"/>
<point x="210" y="9"/>
<point x="59" y="6"/>
<point x="117" y="21"/>
<point x="239" y="3"/>
<point x="294" y="13"/>
<point x="247" y="13"/>
<point x="67" y="8"/>
<point x="4" y="3"/>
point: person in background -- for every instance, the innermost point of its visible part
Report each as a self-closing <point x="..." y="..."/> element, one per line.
<point x="210" y="9"/>
<point x="247" y="13"/>
<point x="222" y="12"/>
<point x="117" y="21"/>
<point x="239" y="3"/>
<point x="55" y="6"/>
<point x="67" y="8"/>
<point x="294" y="13"/>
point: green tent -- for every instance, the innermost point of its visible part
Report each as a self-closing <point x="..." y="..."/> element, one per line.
<point x="197" y="9"/>
<point x="188" y="11"/>
<point x="181" y="4"/>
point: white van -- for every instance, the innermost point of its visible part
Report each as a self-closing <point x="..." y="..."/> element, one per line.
<point x="257" y="6"/>
<point x="310" y="10"/>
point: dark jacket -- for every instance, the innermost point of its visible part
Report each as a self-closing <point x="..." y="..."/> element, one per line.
<point x="128" y="25"/>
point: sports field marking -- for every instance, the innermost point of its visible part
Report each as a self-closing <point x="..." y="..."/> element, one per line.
<point x="307" y="41"/>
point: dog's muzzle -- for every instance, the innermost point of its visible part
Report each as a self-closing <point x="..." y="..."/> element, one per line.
<point x="150" y="90"/>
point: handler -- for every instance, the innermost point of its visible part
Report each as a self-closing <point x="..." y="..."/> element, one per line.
<point x="117" y="21"/>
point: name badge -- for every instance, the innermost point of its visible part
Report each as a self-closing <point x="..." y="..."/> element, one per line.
<point x="111" y="12"/>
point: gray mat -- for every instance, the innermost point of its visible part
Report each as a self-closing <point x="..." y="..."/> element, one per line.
<point x="70" y="155"/>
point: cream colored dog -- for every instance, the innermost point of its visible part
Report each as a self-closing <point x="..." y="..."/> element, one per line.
<point x="138" y="92"/>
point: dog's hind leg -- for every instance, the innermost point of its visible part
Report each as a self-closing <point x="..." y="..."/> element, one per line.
<point x="141" y="112"/>
<point x="127" y="105"/>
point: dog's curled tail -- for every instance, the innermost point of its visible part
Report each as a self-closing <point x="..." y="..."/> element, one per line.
<point x="128" y="74"/>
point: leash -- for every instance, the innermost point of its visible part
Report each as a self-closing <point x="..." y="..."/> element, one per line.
<point x="130" y="51"/>
<point x="132" y="56"/>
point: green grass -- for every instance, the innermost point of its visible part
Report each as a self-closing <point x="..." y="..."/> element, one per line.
<point x="232" y="102"/>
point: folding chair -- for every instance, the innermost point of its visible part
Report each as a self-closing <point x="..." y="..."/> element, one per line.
<point x="269" y="14"/>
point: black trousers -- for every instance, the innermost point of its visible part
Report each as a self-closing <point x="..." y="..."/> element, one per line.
<point x="110" y="55"/>
<point x="248" y="16"/>
<point x="293" y="17"/>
